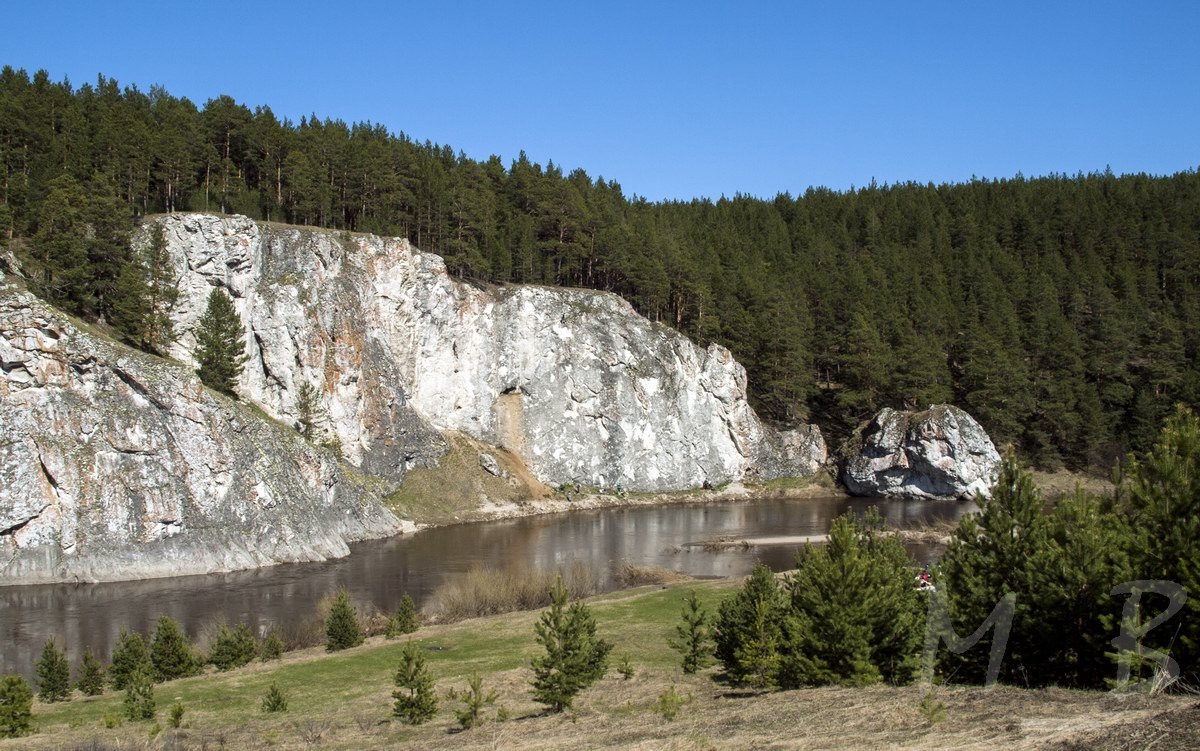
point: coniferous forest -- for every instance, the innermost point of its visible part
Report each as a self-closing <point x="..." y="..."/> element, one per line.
<point x="1062" y="311"/>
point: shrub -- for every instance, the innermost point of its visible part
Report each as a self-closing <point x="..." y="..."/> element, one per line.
<point x="416" y="701"/>
<point x="91" y="675"/>
<point x="625" y="668"/>
<point x="274" y="700"/>
<point x="177" y="711"/>
<point x="16" y="707"/>
<point x="575" y="657"/>
<point x="139" y="696"/>
<point x="53" y="674"/>
<point x="171" y="652"/>
<point x="474" y="700"/>
<point x="129" y="656"/>
<point x="233" y="648"/>
<point x="482" y="591"/>
<point x="342" y="629"/>
<point x="693" y="638"/>
<point x="670" y="702"/>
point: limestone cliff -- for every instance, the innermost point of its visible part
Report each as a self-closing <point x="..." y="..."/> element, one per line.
<point x="572" y="381"/>
<point x="115" y="465"/>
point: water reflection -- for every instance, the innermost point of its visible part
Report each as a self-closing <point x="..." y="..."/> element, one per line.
<point x="381" y="572"/>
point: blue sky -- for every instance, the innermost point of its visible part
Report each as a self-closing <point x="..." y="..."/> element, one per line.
<point x="682" y="99"/>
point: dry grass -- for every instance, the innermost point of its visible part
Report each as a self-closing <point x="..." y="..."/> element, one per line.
<point x="633" y="575"/>
<point x="724" y="542"/>
<point x="454" y="490"/>
<point x="345" y="698"/>
<point x="932" y="531"/>
<point x="482" y="591"/>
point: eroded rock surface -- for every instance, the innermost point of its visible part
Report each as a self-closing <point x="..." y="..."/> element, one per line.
<point x="574" y="381"/>
<point x="118" y="465"/>
<point x="941" y="452"/>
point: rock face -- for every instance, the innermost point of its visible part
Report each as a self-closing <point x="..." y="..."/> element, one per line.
<point x="573" y="381"/>
<point x="118" y="465"/>
<point x="939" y="453"/>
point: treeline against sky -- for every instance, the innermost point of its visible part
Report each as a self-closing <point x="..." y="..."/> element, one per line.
<point x="1063" y="312"/>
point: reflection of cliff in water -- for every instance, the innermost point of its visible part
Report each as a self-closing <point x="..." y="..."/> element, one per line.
<point x="381" y="572"/>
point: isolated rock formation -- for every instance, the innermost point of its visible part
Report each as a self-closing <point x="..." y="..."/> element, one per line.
<point x="117" y="465"/>
<point x="941" y="452"/>
<point x="574" y="382"/>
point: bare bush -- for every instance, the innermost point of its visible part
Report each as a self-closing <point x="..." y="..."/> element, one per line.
<point x="481" y="591"/>
<point x="633" y="575"/>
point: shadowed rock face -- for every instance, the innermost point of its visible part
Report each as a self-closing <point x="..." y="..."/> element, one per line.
<point x="118" y="465"/>
<point x="574" y="381"/>
<point x="939" y="453"/>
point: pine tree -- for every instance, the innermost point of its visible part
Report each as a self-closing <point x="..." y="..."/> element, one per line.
<point x="855" y="617"/>
<point x="575" y="657"/>
<point x="747" y="628"/>
<point x="129" y="655"/>
<point x="59" y="263"/>
<point x="416" y="701"/>
<point x="139" y="696"/>
<point x="171" y="652"/>
<point x="990" y="555"/>
<point x="274" y="700"/>
<point x="16" y="707"/>
<point x="220" y="344"/>
<point x="1160" y="499"/>
<point x="693" y="639"/>
<point x="342" y="629"/>
<point x="53" y="674"/>
<point x="272" y="647"/>
<point x="406" y="618"/>
<point x="91" y="675"/>
<point x="474" y="700"/>
<point x="233" y="648"/>
<point x="146" y="293"/>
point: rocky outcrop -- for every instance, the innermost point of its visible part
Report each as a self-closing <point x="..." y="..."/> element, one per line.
<point x="941" y="452"/>
<point x="574" y="382"/>
<point x="117" y="465"/>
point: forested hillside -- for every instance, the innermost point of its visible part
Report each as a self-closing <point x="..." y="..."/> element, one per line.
<point x="1063" y="312"/>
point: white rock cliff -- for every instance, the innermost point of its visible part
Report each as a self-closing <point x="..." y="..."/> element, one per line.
<point x="941" y="452"/>
<point x="573" y="381"/>
<point x="116" y="465"/>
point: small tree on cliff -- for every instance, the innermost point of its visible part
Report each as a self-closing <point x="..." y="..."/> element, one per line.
<point x="220" y="344"/>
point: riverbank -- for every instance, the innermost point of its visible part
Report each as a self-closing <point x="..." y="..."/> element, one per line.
<point x="343" y="701"/>
<point x="477" y="482"/>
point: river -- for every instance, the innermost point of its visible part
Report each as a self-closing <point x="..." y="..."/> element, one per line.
<point x="379" y="573"/>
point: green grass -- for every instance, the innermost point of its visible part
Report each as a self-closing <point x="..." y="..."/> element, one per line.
<point x="316" y="683"/>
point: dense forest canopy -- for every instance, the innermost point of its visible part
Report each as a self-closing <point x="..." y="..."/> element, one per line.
<point x="1063" y="312"/>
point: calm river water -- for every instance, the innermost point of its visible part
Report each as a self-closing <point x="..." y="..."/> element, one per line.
<point x="381" y="572"/>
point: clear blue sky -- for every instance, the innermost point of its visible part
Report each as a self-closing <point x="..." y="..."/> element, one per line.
<point x="682" y="99"/>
